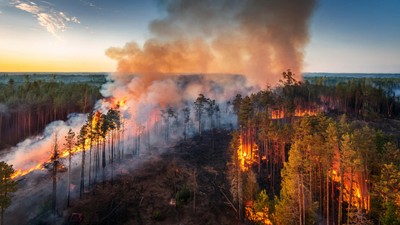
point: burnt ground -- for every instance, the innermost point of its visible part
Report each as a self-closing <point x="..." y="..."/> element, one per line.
<point x="146" y="194"/>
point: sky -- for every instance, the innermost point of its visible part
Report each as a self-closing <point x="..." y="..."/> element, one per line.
<point x="73" y="35"/>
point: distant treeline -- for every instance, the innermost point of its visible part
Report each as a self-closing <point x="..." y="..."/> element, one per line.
<point x="20" y="78"/>
<point x="390" y="84"/>
<point x="365" y="98"/>
<point x="26" y="108"/>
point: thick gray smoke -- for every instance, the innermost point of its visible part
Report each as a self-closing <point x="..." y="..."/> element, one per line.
<point x="257" y="38"/>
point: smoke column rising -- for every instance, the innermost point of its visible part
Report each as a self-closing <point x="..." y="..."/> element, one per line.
<point x="257" y="38"/>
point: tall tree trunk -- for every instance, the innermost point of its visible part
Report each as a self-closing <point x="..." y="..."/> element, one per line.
<point x="300" y="201"/>
<point x="103" y="161"/>
<point x="327" y="198"/>
<point x="69" y="179"/>
<point x="54" y="205"/>
<point x="200" y="128"/>
<point x="350" y="196"/>
<point x="82" y="184"/>
<point x="90" y="164"/>
<point x="303" y="196"/>
<point x="340" y="203"/>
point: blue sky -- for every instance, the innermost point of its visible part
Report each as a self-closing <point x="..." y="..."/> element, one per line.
<point x="355" y="36"/>
<point x="36" y="35"/>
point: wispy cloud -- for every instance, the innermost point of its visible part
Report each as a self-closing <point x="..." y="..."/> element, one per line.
<point x="54" y="21"/>
<point x="91" y="4"/>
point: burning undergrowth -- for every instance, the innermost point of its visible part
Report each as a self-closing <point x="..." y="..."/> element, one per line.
<point x="158" y="104"/>
<point x="153" y="115"/>
<point x="142" y="104"/>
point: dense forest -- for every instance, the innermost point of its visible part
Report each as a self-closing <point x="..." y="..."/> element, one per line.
<point x="303" y="152"/>
<point x="309" y="153"/>
<point x="27" y="107"/>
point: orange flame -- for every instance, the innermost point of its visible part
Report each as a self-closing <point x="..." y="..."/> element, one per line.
<point x="120" y="104"/>
<point x="305" y="112"/>
<point x="358" y="200"/>
<point x="277" y="114"/>
<point x="64" y="152"/>
<point x="20" y="173"/>
<point x="246" y="160"/>
<point x="299" y="112"/>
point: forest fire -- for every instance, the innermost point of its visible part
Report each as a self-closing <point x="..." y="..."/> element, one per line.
<point x="19" y="173"/>
<point x="95" y="124"/>
<point x="64" y="153"/>
<point x="119" y="104"/>
<point x="305" y="112"/>
<point x="277" y="114"/>
<point x="299" y="112"/>
<point x="358" y="199"/>
<point x="246" y="155"/>
<point x="242" y="156"/>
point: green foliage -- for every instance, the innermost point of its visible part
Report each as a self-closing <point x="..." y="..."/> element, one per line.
<point x="250" y="185"/>
<point x="245" y="110"/>
<point x="7" y="185"/>
<point x="157" y="216"/>
<point x="386" y="190"/>
<point x="52" y="94"/>
<point x="182" y="196"/>
<point x="391" y="215"/>
<point x="327" y="153"/>
<point x="260" y="210"/>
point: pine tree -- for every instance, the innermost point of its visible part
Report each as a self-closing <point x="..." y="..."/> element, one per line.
<point x="55" y="161"/>
<point x="70" y="142"/>
<point x="199" y="106"/>
<point x="186" y="120"/>
<point x="81" y="141"/>
<point x="7" y="186"/>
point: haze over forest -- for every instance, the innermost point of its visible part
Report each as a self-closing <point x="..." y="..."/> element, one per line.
<point x="210" y="112"/>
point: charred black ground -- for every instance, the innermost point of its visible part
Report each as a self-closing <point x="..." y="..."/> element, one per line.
<point x="144" y="195"/>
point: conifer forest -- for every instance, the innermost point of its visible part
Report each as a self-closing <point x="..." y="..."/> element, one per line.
<point x="321" y="150"/>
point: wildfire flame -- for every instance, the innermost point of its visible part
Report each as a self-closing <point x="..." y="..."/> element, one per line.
<point x="245" y="159"/>
<point x="277" y="114"/>
<point x="358" y="200"/>
<point x="120" y="104"/>
<point x="19" y="173"/>
<point x="305" y="112"/>
<point x="299" y="112"/>
<point x="64" y="153"/>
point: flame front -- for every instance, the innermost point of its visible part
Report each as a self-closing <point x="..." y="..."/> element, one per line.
<point x="299" y="112"/>
<point x="19" y="173"/>
<point x="64" y="153"/>
<point x="247" y="155"/>
<point x="277" y="114"/>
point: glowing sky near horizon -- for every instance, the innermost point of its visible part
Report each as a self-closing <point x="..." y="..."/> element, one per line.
<point x="72" y="35"/>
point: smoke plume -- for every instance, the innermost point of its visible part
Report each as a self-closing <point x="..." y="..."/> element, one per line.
<point x="257" y="38"/>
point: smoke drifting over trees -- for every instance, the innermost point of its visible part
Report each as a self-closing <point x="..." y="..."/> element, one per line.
<point x="257" y="38"/>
